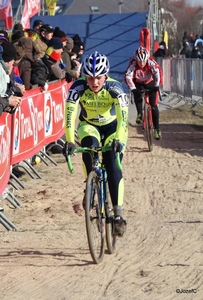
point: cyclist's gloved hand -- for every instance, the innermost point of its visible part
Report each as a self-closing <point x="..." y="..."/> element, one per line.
<point x="136" y="93"/>
<point x="68" y="149"/>
<point x="117" y="146"/>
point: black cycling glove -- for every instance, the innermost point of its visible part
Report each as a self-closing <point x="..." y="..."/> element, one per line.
<point x="68" y="149"/>
<point x="117" y="146"/>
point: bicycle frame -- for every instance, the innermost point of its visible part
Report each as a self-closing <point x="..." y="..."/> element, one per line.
<point x="100" y="171"/>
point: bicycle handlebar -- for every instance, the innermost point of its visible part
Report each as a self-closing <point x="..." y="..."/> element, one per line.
<point x="147" y="91"/>
<point x="97" y="149"/>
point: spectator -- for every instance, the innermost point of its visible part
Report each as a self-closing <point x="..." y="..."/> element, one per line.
<point x="8" y="103"/>
<point x="49" y="67"/>
<point x="187" y="38"/>
<point x="9" y="55"/>
<point x="52" y="59"/>
<point x="195" y="53"/>
<point x="75" y="58"/>
<point x="2" y="40"/>
<point x="17" y="26"/>
<point x="199" y="45"/>
<point x="41" y="42"/>
<point x="75" y="52"/>
<point x="71" y="66"/>
<point x="37" y="25"/>
<point x="6" y="68"/>
<point x="4" y="33"/>
<point x="25" y="60"/>
<point x="61" y="34"/>
<point x="186" y="50"/>
<point x="77" y="41"/>
<point x="161" y="51"/>
<point x="196" y="37"/>
<point x="199" y="42"/>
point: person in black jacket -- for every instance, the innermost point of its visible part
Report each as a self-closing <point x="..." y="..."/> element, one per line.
<point x="9" y="99"/>
<point x="186" y="50"/>
<point x="162" y="51"/>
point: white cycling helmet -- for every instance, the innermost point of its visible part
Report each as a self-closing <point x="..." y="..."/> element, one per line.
<point x="141" y="54"/>
<point x="95" y="64"/>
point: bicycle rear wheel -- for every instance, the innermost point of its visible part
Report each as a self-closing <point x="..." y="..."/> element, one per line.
<point x="110" y="235"/>
<point x="148" y="127"/>
<point x="95" y="223"/>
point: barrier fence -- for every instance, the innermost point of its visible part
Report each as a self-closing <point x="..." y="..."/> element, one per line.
<point x="183" y="77"/>
<point x="37" y="122"/>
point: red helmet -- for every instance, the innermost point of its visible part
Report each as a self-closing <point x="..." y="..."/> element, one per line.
<point x="141" y="54"/>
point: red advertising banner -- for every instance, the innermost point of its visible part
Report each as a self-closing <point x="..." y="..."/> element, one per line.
<point x="37" y="122"/>
<point x="5" y="145"/>
<point x="28" y="127"/>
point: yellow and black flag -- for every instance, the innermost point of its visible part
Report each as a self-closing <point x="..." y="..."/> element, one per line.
<point x="51" y="5"/>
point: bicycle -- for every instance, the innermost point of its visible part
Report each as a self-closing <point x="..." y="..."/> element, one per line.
<point x="99" y="215"/>
<point x="147" y="118"/>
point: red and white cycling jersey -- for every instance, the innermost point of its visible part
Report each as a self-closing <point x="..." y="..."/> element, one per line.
<point x="151" y="71"/>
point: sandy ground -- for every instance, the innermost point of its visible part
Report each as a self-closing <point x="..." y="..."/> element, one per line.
<point x="161" y="254"/>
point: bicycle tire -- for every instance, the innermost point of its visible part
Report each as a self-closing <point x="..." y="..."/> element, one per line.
<point x="148" y="128"/>
<point x="95" y="224"/>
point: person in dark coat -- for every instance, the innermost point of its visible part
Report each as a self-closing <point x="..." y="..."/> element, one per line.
<point x="72" y="67"/>
<point x="9" y="99"/>
<point x="25" y="50"/>
<point x="161" y="51"/>
<point x="195" y="53"/>
<point x="186" y="50"/>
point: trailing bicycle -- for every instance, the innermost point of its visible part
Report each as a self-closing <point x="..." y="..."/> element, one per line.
<point x="99" y="215"/>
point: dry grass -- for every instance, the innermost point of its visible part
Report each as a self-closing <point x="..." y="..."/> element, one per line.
<point x="183" y="115"/>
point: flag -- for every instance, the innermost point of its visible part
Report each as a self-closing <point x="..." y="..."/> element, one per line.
<point x="51" y="5"/>
<point x="52" y="9"/>
<point x="50" y="2"/>
<point x="9" y="19"/>
<point x="6" y="13"/>
<point x="30" y="9"/>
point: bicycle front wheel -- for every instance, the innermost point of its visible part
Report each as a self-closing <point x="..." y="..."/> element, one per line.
<point x="95" y="223"/>
<point x="148" y="127"/>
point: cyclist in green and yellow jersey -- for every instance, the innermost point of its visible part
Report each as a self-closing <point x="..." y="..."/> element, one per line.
<point x="103" y="119"/>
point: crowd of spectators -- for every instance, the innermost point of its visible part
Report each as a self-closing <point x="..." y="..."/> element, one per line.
<point x="39" y="55"/>
<point x="191" y="47"/>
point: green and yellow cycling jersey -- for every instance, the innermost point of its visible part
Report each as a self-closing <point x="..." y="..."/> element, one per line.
<point x="98" y="109"/>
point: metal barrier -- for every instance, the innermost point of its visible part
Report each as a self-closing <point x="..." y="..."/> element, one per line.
<point x="183" y="77"/>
